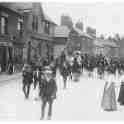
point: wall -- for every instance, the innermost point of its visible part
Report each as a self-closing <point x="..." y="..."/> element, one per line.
<point x="87" y="45"/>
<point x="12" y="21"/>
<point x="58" y="49"/>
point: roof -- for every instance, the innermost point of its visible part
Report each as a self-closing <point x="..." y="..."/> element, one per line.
<point x="61" y="31"/>
<point x="19" y="7"/>
<point x="102" y="43"/>
<point x="81" y="33"/>
<point x="11" y="7"/>
<point x="47" y="18"/>
<point x="29" y="6"/>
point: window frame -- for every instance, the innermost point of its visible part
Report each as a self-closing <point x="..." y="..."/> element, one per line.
<point x="47" y="27"/>
<point x="20" y="24"/>
<point x="4" y="27"/>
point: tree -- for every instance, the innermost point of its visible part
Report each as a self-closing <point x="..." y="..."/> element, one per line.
<point x="79" y="25"/>
<point x="67" y="21"/>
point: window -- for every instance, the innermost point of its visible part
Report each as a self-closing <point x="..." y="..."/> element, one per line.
<point x="20" y="26"/>
<point x="47" y="26"/>
<point x="35" y="23"/>
<point x="4" y="25"/>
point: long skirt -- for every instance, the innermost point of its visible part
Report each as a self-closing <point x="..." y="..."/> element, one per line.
<point x="109" y="98"/>
<point x="121" y="95"/>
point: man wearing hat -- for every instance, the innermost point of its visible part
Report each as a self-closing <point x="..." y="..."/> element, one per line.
<point x="27" y="75"/>
<point x="48" y="91"/>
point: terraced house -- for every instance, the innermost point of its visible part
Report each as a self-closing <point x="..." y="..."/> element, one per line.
<point x="26" y="33"/>
<point x="38" y="32"/>
<point x="11" y="34"/>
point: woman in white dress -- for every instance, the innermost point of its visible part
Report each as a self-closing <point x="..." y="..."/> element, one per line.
<point x="109" y="96"/>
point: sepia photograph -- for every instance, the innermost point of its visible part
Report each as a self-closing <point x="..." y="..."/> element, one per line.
<point x="61" y="61"/>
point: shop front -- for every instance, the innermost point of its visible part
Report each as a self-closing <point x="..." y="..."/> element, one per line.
<point x="37" y="49"/>
<point x="18" y="57"/>
<point x="6" y="52"/>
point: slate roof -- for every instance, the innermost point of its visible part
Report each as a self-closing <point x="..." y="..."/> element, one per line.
<point x="102" y="43"/>
<point x="81" y="33"/>
<point x="47" y="18"/>
<point x="10" y="7"/>
<point x="18" y="7"/>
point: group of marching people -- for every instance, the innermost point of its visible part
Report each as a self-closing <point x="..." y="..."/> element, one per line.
<point x="111" y="70"/>
<point x="44" y="77"/>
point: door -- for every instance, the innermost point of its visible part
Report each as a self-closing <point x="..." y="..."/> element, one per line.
<point x="3" y="58"/>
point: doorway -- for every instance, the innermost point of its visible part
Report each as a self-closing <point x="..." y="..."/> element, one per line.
<point x="3" y="58"/>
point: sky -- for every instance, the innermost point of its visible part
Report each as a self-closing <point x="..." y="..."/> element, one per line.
<point x="106" y="18"/>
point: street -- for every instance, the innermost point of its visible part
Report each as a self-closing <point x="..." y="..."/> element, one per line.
<point x="80" y="101"/>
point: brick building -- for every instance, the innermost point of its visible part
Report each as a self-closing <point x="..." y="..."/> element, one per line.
<point x="106" y="47"/>
<point x="71" y="39"/>
<point x="61" y="35"/>
<point x="11" y="34"/>
<point x="26" y="33"/>
<point x="38" y="33"/>
<point x="86" y="41"/>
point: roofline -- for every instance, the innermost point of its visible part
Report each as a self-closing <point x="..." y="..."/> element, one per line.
<point x="115" y="46"/>
<point x="49" y="21"/>
<point x="13" y="10"/>
<point x="106" y="45"/>
<point x="84" y="34"/>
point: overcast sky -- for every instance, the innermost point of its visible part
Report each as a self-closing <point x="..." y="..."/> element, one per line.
<point x="107" y="18"/>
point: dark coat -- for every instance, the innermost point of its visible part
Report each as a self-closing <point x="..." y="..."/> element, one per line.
<point x="76" y="67"/>
<point x="27" y="77"/>
<point x="48" y="89"/>
<point x="64" y="70"/>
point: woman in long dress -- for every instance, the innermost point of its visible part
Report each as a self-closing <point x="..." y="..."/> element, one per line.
<point x="121" y="92"/>
<point x="109" y="97"/>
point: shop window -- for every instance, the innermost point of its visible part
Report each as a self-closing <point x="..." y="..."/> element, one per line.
<point x="47" y="27"/>
<point x="35" y="23"/>
<point x="18" y="55"/>
<point x="20" y="26"/>
<point x="4" y="25"/>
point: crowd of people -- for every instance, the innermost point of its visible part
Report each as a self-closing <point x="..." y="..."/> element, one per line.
<point x="72" y="67"/>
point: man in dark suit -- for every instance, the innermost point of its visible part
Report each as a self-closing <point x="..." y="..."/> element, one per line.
<point x="27" y="75"/>
<point x="48" y="92"/>
<point x="64" y="73"/>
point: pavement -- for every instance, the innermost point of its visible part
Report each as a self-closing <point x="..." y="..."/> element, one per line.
<point x="5" y="77"/>
<point x="81" y="101"/>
